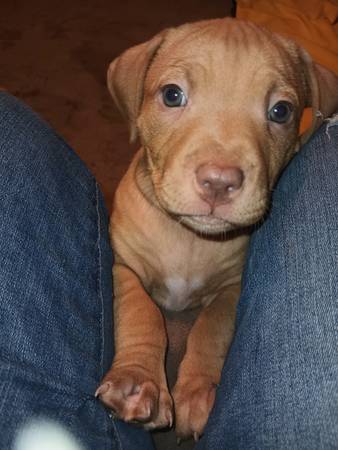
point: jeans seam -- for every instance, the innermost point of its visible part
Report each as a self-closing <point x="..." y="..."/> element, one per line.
<point x="110" y="423"/>
<point x="117" y="435"/>
<point x="99" y="280"/>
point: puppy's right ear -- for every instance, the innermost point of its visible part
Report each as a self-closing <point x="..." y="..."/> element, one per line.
<point x="322" y="94"/>
<point x="125" y="78"/>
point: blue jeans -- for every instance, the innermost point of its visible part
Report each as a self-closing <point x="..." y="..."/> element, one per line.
<point x="279" y="386"/>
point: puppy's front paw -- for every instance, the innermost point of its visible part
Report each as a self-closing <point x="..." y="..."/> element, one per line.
<point x="134" y="398"/>
<point x="193" y="400"/>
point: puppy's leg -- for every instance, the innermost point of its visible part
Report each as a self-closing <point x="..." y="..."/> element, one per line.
<point x="135" y="387"/>
<point x="200" y="371"/>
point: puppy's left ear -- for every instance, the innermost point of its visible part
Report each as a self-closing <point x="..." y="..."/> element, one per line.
<point x="126" y="76"/>
<point x="322" y="94"/>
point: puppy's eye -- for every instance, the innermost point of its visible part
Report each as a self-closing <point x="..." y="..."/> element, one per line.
<point x="280" y="112"/>
<point x="173" y="96"/>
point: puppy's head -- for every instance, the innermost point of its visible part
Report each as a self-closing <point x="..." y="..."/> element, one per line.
<point x="217" y="106"/>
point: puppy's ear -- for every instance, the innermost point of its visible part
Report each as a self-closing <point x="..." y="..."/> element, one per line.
<point x="126" y="75"/>
<point x="322" y="94"/>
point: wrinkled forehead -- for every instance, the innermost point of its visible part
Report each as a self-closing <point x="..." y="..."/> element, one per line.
<point x="219" y="50"/>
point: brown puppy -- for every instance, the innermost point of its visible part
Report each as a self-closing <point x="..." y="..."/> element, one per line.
<point x="217" y="106"/>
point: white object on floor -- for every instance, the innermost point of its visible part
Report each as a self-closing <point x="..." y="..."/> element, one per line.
<point x="45" y="434"/>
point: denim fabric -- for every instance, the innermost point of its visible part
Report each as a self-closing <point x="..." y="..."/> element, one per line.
<point x="55" y="287"/>
<point x="279" y="386"/>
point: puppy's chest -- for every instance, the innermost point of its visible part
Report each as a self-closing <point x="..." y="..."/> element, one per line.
<point x="189" y="272"/>
<point x="176" y="292"/>
<point x="184" y="280"/>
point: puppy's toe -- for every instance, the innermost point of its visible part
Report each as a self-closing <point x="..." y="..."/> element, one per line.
<point x="133" y="398"/>
<point x="193" y="399"/>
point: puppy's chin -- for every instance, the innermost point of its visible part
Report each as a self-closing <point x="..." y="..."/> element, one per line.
<point x="214" y="226"/>
<point x="206" y="225"/>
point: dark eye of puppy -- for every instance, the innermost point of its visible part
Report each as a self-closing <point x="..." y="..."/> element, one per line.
<point x="280" y="112"/>
<point x="173" y="96"/>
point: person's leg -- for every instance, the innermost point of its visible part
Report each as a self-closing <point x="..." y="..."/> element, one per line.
<point x="279" y="386"/>
<point x="55" y="287"/>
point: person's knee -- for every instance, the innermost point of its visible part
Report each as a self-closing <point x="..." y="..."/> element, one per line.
<point x="31" y="151"/>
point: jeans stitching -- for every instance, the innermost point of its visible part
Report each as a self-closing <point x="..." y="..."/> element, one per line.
<point x="109" y="422"/>
<point x="99" y="278"/>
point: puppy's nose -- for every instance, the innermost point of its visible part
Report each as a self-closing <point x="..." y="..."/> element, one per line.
<point x="218" y="184"/>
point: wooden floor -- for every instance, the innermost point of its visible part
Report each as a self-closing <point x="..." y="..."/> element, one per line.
<point x="54" y="55"/>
